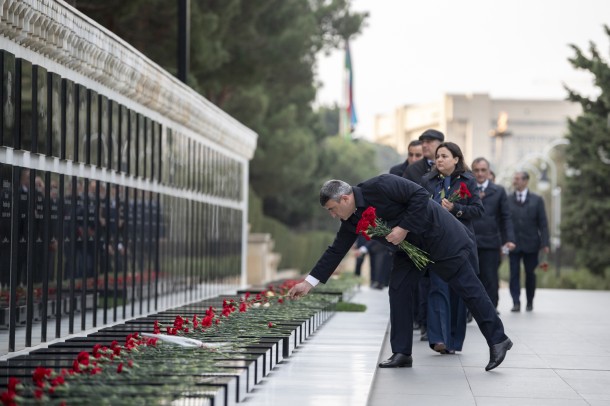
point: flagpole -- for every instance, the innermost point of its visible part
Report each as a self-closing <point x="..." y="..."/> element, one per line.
<point x="347" y="112"/>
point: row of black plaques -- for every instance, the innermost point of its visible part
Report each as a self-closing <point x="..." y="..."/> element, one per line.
<point x="46" y="114"/>
<point x="241" y="371"/>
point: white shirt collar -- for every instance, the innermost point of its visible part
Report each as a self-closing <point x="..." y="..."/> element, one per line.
<point x="484" y="184"/>
<point x="523" y="193"/>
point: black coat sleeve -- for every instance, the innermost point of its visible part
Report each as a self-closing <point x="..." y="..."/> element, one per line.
<point x="332" y="257"/>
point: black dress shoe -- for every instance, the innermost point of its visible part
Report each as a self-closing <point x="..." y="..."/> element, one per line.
<point x="516" y="308"/>
<point x="497" y="352"/>
<point x="424" y="336"/>
<point x="529" y="307"/>
<point x="397" y="360"/>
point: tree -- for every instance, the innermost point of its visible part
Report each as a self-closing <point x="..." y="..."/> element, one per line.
<point x="586" y="208"/>
<point x="255" y="60"/>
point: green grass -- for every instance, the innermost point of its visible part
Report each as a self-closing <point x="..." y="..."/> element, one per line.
<point x="350" y="307"/>
<point x="566" y="278"/>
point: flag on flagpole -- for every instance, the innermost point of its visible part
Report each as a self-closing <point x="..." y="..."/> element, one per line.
<point x="348" y="118"/>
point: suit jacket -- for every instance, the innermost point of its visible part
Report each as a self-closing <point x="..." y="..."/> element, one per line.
<point x="529" y="220"/>
<point x="465" y="210"/>
<point x="399" y="169"/>
<point x="495" y="227"/>
<point x="400" y="202"/>
<point x="416" y="171"/>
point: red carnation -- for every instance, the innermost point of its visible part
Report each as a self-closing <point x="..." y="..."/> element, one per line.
<point x="8" y="398"/>
<point x="369" y="215"/>
<point x="12" y="384"/>
<point x="40" y="374"/>
<point x="207" y="321"/>
<point x="462" y="193"/>
<point x="38" y="393"/>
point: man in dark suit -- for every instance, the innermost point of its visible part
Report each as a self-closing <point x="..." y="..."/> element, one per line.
<point x="494" y="230"/>
<point x="430" y="140"/>
<point x="411" y="215"/>
<point x="532" y="235"/>
<point x="414" y="153"/>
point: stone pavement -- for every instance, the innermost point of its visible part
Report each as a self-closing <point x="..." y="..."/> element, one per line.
<point x="560" y="357"/>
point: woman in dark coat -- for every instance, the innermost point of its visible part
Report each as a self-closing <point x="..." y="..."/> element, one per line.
<point x="450" y="184"/>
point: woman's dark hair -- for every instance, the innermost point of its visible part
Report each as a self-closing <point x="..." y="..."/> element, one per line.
<point x="456" y="152"/>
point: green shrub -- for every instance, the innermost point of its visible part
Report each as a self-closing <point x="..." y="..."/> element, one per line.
<point x="568" y="278"/>
<point x="350" y="307"/>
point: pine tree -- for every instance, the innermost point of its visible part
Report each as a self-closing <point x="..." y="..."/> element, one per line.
<point x="586" y="207"/>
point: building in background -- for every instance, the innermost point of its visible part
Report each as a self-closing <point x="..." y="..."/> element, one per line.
<point x="502" y="130"/>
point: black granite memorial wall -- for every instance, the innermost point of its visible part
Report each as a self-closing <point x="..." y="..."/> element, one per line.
<point x="105" y="209"/>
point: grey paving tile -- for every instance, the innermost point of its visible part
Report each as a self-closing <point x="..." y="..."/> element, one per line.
<point x="526" y="383"/>
<point x="423" y="400"/>
<point x="595" y="384"/>
<point x="590" y="362"/>
<point x="524" y="401"/>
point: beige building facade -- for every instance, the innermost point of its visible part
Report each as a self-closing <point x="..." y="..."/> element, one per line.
<point x="501" y="130"/>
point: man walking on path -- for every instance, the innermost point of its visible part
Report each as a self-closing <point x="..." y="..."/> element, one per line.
<point x="494" y="230"/>
<point x="532" y="235"/>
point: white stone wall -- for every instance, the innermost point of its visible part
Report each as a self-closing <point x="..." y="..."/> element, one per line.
<point x="61" y="39"/>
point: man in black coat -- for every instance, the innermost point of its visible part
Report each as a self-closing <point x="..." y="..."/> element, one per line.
<point x="414" y="153"/>
<point x="411" y="215"/>
<point x="494" y="230"/>
<point x="430" y="140"/>
<point x="532" y="235"/>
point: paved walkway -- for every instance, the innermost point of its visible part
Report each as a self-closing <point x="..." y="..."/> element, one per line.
<point x="560" y="357"/>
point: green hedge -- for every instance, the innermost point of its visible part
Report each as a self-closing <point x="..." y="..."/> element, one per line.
<point x="569" y="278"/>
<point x="298" y="250"/>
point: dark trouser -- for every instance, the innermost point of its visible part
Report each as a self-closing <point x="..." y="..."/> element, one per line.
<point x="466" y="285"/>
<point x="530" y="262"/>
<point x="470" y="289"/>
<point x="359" y="262"/>
<point x="423" y="292"/>
<point x="381" y="266"/>
<point x="489" y="262"/>
<point x="458" y="320"/>
<point x="403" y="280"/>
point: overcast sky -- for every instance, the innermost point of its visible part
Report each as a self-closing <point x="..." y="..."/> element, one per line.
<point x="414" y="51"/>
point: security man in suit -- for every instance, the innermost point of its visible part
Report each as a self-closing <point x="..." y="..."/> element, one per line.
<point x="412" y="216"/>
<point x="494" y="230"/>
<point x="532" y="235"/>
<point x="430" y="140"/>
<point x="415" y="152"/>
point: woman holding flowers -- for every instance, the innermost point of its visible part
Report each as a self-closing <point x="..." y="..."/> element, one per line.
<point x="449" y="184"/>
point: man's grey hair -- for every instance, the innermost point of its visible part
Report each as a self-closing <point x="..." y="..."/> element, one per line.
<point x="481" y="159"/>
<point x="333" y="190"/>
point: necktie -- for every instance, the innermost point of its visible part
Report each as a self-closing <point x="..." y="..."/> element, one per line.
<point x="520" y="197"/>
<point x="480" y="191"/>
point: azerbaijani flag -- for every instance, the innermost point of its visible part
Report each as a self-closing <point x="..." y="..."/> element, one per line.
<point x="349" y="119"/>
